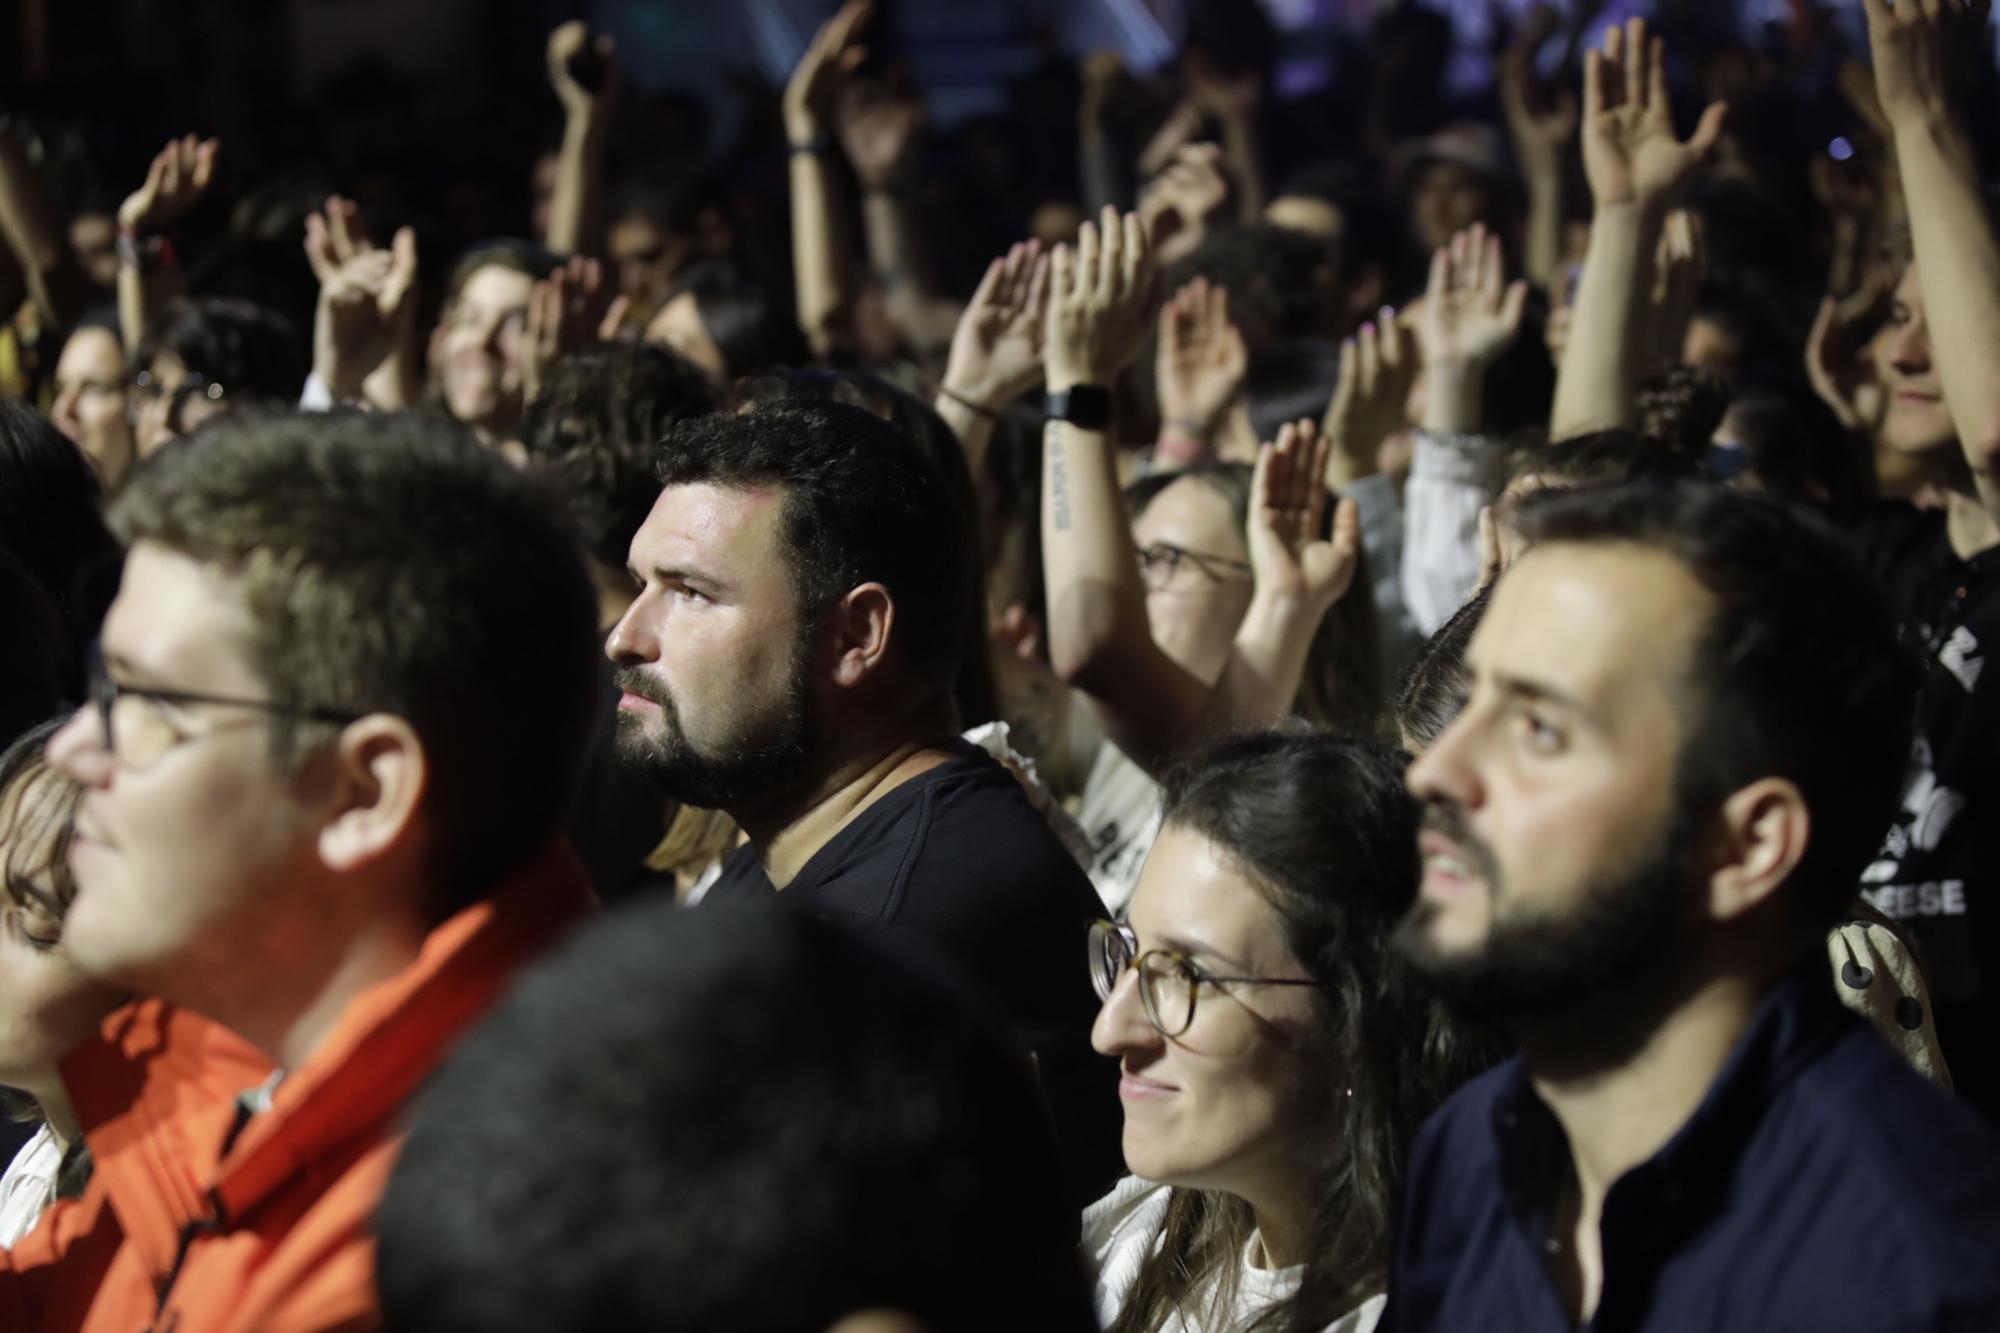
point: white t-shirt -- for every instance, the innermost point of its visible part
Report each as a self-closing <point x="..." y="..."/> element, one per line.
<point x="1120" y="814"/>
<point x="28" y="1186"/>
<point x="1121" y="1229"/>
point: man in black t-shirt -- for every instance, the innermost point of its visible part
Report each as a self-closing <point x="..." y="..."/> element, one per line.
<point x="1936" y="872"/>
<point x="1939" y="425"/>
<point x="790" y="660"/>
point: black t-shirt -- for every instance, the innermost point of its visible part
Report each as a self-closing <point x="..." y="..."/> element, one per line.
<point x="1937" y="871"/>
<point x="956" y="864"/>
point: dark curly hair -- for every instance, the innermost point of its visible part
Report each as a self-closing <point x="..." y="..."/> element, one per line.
<point x="596" y="428"/>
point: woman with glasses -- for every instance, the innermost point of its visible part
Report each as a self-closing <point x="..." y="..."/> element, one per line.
<point x="46" y="1005"/>
<point x="1275" y="1058"/>
<point x="1231" y="568"/>
<point x="206" y="356"/>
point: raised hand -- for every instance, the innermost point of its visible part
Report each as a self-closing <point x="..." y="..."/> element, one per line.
<point x="566" y="310"/>
<point x="176" y="181"/>
<point x="583" y="71"/>
<point x="1102" y="72"/>
<point x="1471" y="314"/>
<point x="1924" y="54"/>
<point x="877" y="128"/>
<point x="1540" y="134"/>
<point x="367" y="297"/>
<point x="1201" y="359"/>
<point x="1221" y="95"/>
<point x="1680" y="263"/>
<point x="1630" y="153"/>
<point x="1100" y="297"/>
<point x="1370" y="394"/>
<point x="1291" y="552"/>
<point x="996" y="351"/>
<point x="835" y="53"/>
<point x="1178" y="203"/>
<point x="1840" y="374"/>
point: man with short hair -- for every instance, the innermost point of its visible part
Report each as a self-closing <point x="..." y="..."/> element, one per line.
<point x="343" y="699"/>
<point x="790" y="660"/>
<point x="1684" y="737"/>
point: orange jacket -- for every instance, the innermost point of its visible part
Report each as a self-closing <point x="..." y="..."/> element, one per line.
<point x="176" y="1235"/>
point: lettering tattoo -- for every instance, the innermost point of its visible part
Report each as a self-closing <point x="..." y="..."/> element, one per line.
<point x="1052" y="444"/>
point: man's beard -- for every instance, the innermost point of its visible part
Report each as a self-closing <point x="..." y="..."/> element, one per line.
<point x="1615" y="950"/>
<point x="763" y="751"/>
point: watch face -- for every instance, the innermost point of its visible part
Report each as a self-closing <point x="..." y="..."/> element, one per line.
<point x="1085" y="406"/>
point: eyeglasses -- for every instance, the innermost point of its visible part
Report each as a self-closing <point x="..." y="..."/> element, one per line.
<point x="1168" y="982"/>
<point x="146" y="391"/>
<point x="137" y="732"/>
<point x="1161" y="563"/>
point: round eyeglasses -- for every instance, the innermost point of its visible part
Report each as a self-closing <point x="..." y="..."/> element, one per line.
<point x="1168" y="981"/>
<point x="146" y="391"/>
<point x="1165" y="565"/>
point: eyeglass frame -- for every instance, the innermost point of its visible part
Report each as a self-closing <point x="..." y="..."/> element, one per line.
<point x="1174" y="555"/>
<point x="1197" y="976"/>
<point x="143" y="390"/>
<point x="103" y="692"/>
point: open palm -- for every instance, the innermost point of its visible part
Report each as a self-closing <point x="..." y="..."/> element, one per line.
<point x="1290" y="549"/>
<point x="996" y="353"/>
<point x="1630" y="153"/>
<point x="1470" y="313"/>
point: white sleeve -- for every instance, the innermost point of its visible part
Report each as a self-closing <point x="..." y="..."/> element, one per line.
<point x="316" y="397"/>
<point x="1452" y="477"/>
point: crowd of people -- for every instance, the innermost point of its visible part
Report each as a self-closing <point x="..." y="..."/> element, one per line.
<point x="1189" y="710"/>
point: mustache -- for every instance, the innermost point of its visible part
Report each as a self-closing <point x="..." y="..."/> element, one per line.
<point x="1448" y="821"/>
<point x="634" y="680"/>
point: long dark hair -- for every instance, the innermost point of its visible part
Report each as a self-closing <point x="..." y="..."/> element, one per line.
<point x="1325" y="830"/>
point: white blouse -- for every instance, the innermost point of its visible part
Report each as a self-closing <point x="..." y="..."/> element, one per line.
<point x="1122" y="1229"/>
<point x="29" y="1186"/>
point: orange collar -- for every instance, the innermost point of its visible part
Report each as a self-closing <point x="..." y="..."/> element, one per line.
<point x="156" y="1091"/>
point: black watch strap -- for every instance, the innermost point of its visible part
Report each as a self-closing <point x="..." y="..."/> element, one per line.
<point x="1085" y="406"/>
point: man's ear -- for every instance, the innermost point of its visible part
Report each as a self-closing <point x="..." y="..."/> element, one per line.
<point x="1760" y="840"/>
<point x="380" y="774"/>
<point x="862" y="623"/>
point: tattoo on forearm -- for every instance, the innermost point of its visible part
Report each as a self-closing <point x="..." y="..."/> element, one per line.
<point x="1052" y="444"/>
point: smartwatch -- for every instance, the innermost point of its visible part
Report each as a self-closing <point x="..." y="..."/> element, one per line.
<point x="1085" y="406"/>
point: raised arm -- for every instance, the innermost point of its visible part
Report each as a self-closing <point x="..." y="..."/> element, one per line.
<point x="1302" y="570"/>
<point x="996" y="352"/>
<point x="1199" y="367"/>
<point x="1098" y="636"/>
<point x="364" y="326"/>
<point x="148" y="276"/>
<point x="584" y="74"/>
<point x="1232" y="101"/>
<point x="31" y="232"/>
<point x="1920" y="56"/>
<point x="1371" y="393"/>
<point x="1105" y="179"/>
<point x="879" y="130"/>
<point x="822" y="248"/>
<point x="1470" y="316"/>
<point x="1634" y="164"/>
<point x="1542" y="136"/>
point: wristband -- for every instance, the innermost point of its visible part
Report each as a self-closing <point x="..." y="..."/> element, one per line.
<point x="966" y="403"/>
<point x="143" y="252"/>
<point x="818" y="146"/>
